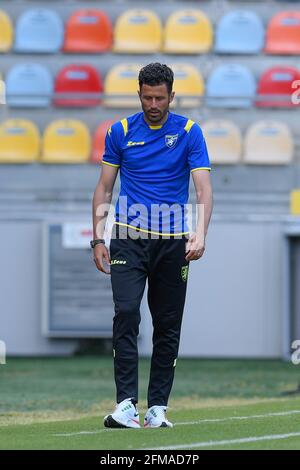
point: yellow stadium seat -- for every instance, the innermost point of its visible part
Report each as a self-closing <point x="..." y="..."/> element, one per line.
<point x="66" y="141"/>
<point x="138" y="31"/>
<point x="188" y="85"/>
<point x="268" y="142"/>
<point x="121" y="86"/>
<point x="19" y="141"/>
<point x="6" y="32"/>
<point x="224" y="141"/>
<point x="295" y="202"/>
<point x="188" y="32"/>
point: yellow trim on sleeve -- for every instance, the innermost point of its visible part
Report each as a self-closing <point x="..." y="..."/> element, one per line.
<point x="201" y="168"/>
<point x="110" y="164"/>
<point x="189" y="125"/>
<point x="124" y="123"/>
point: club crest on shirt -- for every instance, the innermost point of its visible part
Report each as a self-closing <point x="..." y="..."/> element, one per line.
<point x="171" y="140"/>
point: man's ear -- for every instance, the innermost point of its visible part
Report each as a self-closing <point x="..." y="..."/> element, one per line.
<point x="172" y="96"/>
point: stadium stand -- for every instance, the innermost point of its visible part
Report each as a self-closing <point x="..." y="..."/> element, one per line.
<point x="88" y="31"/>
<point x="78" y="85"/>
<point x="2" y="91"/>
<point x="231" y="86"/>
<point x="188" y="32"/>
<point x="283" y="33"/>
<point x="19" y="141"/>
<point x="188" y="85"/>
<point x="275" y="87"/>
<point x="240" y="32"/>
<point x="29" y="85"/>
<point x="39" y="30"/>
<point x="224" y="141"/>
<point x="138" y="31"/>
<point x="211" y="85"/>
<point x="268" y="143"/>
<point x="99" y="140"/>
<point x="121" y="85"/>
<point x="6" y="32"/>
<point x="66" y="141"/>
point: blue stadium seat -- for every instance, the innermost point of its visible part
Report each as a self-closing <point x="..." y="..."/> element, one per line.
<point x="39" y="30"/>
<point x="29" y="85"/>
<point x="240" y="32"/>
<point x="231" y="86"/>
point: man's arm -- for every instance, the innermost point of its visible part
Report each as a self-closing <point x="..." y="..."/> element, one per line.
<point x="101" y="202"/>
<point x="196" y="244"/>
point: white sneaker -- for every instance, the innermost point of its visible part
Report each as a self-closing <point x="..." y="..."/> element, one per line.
<point x="125" y="415"/>
<point x="156" y="418"/>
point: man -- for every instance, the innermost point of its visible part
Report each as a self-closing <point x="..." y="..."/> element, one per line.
<point x="156" y="151"/>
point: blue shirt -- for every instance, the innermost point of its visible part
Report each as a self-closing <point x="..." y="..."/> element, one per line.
<point x="155" y="164"/>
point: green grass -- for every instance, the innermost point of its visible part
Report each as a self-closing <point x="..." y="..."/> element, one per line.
<point x="40" y="398"/>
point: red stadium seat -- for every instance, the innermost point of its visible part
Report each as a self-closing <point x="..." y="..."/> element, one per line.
<point x="99" y="140"/>
<point x="88" y="30"/>
<point x="275" y="88"/>
<point x="78" y="85"/>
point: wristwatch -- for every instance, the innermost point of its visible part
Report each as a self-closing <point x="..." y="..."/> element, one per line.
<point x="93" y="243"/>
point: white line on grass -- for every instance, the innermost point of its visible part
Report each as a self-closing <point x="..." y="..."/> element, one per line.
<point x="200" y="421"/>
<point x="243" y="440"/>
<point x="239" y="418"/>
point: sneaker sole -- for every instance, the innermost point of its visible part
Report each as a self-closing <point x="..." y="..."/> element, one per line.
<point x="110" y="422"/>
<point x="162" y="425"/>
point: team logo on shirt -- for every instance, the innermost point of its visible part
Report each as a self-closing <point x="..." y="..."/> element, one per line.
<point x="171" y="140"/>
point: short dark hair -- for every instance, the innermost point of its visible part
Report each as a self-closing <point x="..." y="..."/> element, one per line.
<point x="156" y="74"/>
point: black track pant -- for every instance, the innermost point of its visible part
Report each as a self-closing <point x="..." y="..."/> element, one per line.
<point x="163" y="262"/>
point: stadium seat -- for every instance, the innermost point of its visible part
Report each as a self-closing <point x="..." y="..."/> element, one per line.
<point x="19" y="141"/>
<point x="88" y="31"/>
<point x="66" y="141"/>
<point x="188" y="32"/>
<point x="2" y="91"/>
<point x="121" y="86"/>
<point x="29" y="85"/>
<point x="295" y="202"/>
<point x="240" y="32"/>
<point x="224" y="141"/>
<point x="283" y="33"/>
<point x="6" y="32"/>
<point x="78" y="85"/>
<point x="231" y="86"/>
<point x="275" y="87"/>
<point x="39" y="30"/>
<point x="138" y="31"/>
<point x="268" y="142"/>
<point x="99" y="140"/>
<point x="188" y="85"/>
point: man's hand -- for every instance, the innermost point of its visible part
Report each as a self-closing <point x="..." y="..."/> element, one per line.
<point x="195" y="247"/>
<point x="100" y="253"/>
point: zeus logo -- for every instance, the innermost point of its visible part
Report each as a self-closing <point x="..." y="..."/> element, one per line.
<point x="296" y="354"/>
<point x="296" y="94"/>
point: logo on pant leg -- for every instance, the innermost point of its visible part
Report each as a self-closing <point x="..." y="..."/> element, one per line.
<point x="118" y="261"/>
<point x="184" y="272"/>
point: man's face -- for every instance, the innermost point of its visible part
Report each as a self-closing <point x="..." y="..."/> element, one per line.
<point x="155" y="102"/>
